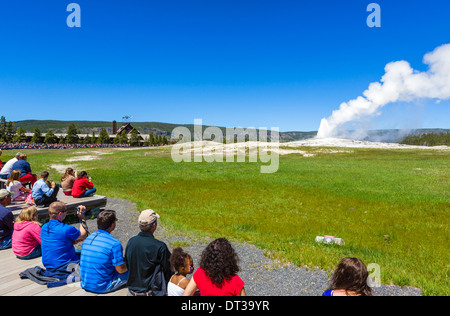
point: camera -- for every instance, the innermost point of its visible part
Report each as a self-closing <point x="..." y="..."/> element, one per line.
<point x="78" y="208"/>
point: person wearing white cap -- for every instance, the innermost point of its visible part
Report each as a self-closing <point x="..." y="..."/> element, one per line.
<point x="6" y="220"/>
<point x="147" y="260"/>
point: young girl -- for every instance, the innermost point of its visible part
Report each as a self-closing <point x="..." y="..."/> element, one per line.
<point x="349" y="279"/>
<point x="67" y="181"/>
<point x="26" y="240"/>
<point x="14" y="186"/>
<point x="182" y="265"/>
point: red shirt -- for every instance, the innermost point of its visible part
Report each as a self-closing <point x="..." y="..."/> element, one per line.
<point x="232" y="287"/>
<point x="81" y="185"/>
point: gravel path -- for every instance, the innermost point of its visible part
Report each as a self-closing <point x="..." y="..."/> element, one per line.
<point x="262" y="276"/>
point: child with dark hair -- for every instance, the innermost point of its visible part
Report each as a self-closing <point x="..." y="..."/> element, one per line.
<point x="349" y="279"/>
<point x="182" y="264"/>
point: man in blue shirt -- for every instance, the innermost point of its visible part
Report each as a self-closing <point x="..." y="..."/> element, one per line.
<point x="102" y="266"/>
<point x="57" y="238"/>
<point x="41" y="193"/>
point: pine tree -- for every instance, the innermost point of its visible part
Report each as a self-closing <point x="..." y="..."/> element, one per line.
<point x="151" y="141"/>
<point x="37" y="136"/>
<point x="2" y="129"/>
<point x="50" y="138"/>
<point x="103" y="138"/>
<point x="87" y="139"/>
<point x="9" y="131"/>
<point x="135" y="139"/>
<point x="121" y="138"/>
<point x="93" y="138"/>
<point x="20" y="136"/>
<point x="72" y="134"/>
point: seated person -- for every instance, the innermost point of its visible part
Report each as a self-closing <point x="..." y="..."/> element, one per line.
<point x="7" y="167"/>
<point x="25" y="170"/>
<point x="349" y="279"/>
<point x="14" y="186"/>
<point x="217" y="274"/>
<point x="26" y="242"/>
<point x="67" y="181"/>
<point x="57" y="238"/>
<point x="6" y="220"/>
<point x="43" y="192"/>
<point x="102" y="266"/>
<point x="83" y="186"/>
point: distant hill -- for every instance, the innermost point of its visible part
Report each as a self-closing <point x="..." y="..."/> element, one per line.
<point x="160" y="128"/>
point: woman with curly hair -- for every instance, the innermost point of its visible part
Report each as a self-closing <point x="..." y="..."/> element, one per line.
<point x="217" y="274"/>
<point x="349" y="279"/>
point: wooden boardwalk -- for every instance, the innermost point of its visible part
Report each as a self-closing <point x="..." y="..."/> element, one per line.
<point x="12" y="285"/>
<point x="10" y="282"/>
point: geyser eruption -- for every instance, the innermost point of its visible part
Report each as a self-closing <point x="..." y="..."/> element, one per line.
<point x="399" y="83"/>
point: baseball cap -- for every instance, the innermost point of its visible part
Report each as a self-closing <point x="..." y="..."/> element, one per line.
<point x="147" y="217"/>
<point x="4" y="193"/>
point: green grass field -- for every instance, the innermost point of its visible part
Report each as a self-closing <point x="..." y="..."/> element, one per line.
<point x="390" y="206"/>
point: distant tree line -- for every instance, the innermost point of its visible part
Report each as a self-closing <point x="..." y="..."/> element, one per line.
<point x="428" y="139"/>
<point x="9" y="134"/>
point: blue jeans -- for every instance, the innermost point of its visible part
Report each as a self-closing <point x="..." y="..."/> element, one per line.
<point x="87" y="193"/>
<point x="6" y="243"/>
<point x="118" y="282"/>
<point x="37" y="252"/>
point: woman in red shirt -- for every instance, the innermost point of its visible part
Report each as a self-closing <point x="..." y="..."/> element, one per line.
<point x="83" y="186"/>
<point x="216" y="275"/>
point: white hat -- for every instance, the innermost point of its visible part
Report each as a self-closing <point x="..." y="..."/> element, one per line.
<point x="4" y="193"/>
<point x="147" y="217"/>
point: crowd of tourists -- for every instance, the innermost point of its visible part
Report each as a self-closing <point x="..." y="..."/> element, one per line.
<point x="145" y="268"/>
<point x="19" y="146"/>
<point x="41" y="192"/>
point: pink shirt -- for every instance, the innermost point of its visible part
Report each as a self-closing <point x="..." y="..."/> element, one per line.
<point x="232" y="287"/>
<point x="26" y="237"/>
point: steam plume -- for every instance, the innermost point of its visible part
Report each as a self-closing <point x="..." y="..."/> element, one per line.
<point x="399" y="83"/>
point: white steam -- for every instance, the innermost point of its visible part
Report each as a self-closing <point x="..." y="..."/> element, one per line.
<point x="399" y="83"/>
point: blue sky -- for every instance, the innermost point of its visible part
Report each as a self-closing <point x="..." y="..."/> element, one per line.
<point x="232" y="63"/>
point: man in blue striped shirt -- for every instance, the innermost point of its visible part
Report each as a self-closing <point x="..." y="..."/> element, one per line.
<point x="102" y="266"/>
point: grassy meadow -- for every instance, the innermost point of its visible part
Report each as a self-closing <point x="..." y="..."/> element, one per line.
<point x="390" y="206"/>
